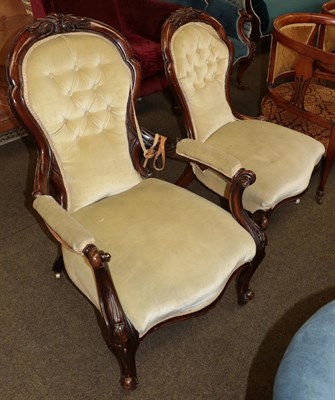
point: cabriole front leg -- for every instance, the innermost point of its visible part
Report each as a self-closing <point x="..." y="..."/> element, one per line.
<point x="122" y="336"/>
<point x="244" y="293"/>
<point x="124" y="341"/>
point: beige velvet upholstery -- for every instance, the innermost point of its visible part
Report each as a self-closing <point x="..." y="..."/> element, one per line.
<point x="201" y="62"/>
<point x="85" y="122"/>
<point x="142" y="250"/>
<point x="209" y="156"/>
<point x="166" y="272"/>
<point x="266" y="148"/>
<point x="197" y="62"/>
<point x="73" y="234"/>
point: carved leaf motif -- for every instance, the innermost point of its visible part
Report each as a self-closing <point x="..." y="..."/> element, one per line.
<point x="58" y="23"/>
<point x="184" y="15"/>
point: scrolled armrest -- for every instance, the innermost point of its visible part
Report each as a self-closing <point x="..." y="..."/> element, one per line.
<point x="70" y="231"/>
<point x="205" y="154"/>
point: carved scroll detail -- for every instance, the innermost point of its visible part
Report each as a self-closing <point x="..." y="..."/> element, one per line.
<point x="183" y="15"/>
<point x="58" y="23"/>
<point x="240" y="182"/>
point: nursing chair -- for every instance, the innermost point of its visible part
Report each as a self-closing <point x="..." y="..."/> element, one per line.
<point x="168" y="253"/>
<point x="300" y="83"/>
<point x="197" y="59"/>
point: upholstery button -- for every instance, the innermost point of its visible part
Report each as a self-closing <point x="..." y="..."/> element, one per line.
<point x="51" y="75"/>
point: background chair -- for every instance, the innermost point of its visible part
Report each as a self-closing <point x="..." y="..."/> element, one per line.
<point x="169" y="253"/>
<point x="198" y="61"/>
<point x="300" y="82"/>
<point x="264" y="12"/>
<point x="140" y="22"/>
<point x="329" y="7"/>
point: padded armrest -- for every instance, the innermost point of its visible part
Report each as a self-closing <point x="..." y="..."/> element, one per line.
<point x="209" y="155"/>
<point x="62" y="223"/>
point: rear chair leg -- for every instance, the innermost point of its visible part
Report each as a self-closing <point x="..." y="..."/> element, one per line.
<point x="58" y="266"/>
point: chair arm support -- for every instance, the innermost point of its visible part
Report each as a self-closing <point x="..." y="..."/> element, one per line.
<point x="208" y="155"/>
<point x="68" y="230"/>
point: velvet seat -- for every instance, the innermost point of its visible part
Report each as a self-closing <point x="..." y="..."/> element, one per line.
<point x="167" y="253"/>
<point x="197" y="62"/>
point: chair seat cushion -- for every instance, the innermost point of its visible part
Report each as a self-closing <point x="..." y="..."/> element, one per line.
<point x="271" y="152"/>
<point x="172" y="251"/>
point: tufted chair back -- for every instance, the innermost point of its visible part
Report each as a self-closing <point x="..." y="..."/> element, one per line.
<point x="82" y="112"/>
<point x="202" y="59"/>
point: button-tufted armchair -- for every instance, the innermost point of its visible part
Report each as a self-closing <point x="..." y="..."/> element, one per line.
<point x="168" y="253"/>
<point x="198" y="61"/>
<point x="140" y="22"/>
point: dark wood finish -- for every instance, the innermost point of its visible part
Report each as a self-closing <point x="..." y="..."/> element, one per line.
<point x="122" y="336"/>
<point x="245" y="62"/>
<point x="13" y="17"/>
<point x="255" y="22"/>
<point x="329" y="7"/>
<point x="312" y="62"/>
